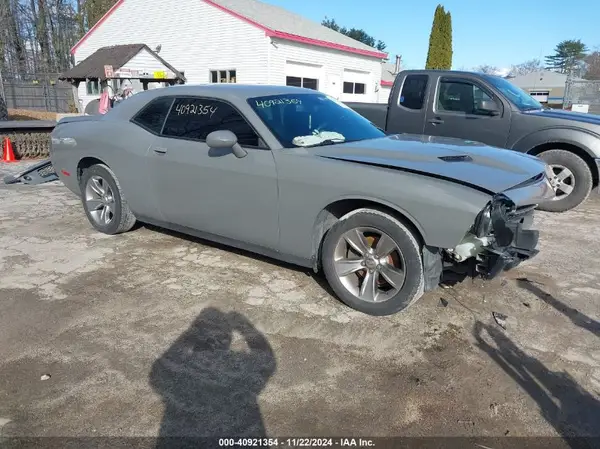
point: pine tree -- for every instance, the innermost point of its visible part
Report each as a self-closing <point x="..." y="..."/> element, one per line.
<point x="568" y="55"/>
<point x="439" y="55"/>
<point x="447" y="42"/>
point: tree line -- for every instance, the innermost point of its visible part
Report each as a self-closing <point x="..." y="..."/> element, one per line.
<point x="355" y="33"/>
<point x="439" y="55"/>
<point x="570" y="57"/>
<point x="36" y="35"/>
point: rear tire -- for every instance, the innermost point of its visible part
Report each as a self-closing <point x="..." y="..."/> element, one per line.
<point x="581" y="179"/>
<point x="396" y="275"/>
<point x="103" y="201"/>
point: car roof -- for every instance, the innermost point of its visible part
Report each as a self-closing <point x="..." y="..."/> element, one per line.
<point x="226" y="91"/>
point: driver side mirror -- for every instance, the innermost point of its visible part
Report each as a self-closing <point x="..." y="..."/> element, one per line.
<point x="488" y="107"/>
<point x="224" y="139"/>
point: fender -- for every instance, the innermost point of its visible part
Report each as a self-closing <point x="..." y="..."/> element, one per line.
<point x="325" y="220"/>
<point x="582" y="138"/>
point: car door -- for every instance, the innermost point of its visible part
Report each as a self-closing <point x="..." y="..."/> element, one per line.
<point x="210" y="189"/>
<point x="453" y="112"/>
<point x="407" y="115"/>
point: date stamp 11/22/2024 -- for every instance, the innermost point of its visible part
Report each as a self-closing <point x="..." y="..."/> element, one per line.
<point x="296" y="442"/>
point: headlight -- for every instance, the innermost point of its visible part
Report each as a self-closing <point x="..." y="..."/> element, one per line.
<point x="495" y="214"/>
<point x="483" y="222"/>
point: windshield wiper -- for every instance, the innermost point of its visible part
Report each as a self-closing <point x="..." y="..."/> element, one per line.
<point x="325" y="143"/>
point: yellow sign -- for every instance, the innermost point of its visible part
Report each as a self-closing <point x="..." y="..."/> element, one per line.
<point x="160" y="75"/>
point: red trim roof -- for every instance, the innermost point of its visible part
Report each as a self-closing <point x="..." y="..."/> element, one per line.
<point x="320" y="43"/>
<point x="268" y="31"/>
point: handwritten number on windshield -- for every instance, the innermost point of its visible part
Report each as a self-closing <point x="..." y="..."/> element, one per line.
<point x="269" y="103"/>
<point x="195" y="109"/>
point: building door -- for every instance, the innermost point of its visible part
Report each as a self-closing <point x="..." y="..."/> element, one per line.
<point x="334" y="86"/>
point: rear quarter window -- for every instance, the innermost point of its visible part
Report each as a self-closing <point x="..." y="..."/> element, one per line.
<point x="413" y="91"/>
<point x="153" y="115"/>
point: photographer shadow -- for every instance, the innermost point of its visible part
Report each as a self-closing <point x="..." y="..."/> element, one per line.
<point x="571" y="410"/>
<point x="208" y="388"/>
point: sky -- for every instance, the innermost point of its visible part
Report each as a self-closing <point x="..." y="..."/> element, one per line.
<point x="498" y="32"/>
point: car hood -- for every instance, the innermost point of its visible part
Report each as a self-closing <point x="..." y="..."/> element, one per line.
<point x="486" y="168"/>
<point x="560" y="114"/>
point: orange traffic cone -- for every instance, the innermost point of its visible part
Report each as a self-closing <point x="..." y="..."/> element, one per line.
<point x="8" y="154"/>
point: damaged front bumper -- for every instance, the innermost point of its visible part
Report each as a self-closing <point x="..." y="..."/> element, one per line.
<point x="505" y="224"/>
<point x="500" y="238"/>
<point x="512" y="244"/>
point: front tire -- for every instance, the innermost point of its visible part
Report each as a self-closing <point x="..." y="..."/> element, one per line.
<point x="572" y="180"/>
<point x="103" y="201"/>
<point x="373" y="263"/>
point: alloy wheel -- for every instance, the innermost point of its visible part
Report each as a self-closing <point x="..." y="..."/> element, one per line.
<point x="562" y="181"/>
<point x="100" y="200"/>
<point x="369" y="264"/>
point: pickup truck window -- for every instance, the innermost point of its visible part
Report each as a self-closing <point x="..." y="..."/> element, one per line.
<point x="302" y="120"/>
<point x="514" y="94"/>
<point x="195" y="118"/>
<point x="460" y="96"/>
<point x="413" y="91"/>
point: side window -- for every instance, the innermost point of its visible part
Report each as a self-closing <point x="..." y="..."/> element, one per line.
<point x="154" y="114"/>
<point x="196" y="118"/>
<point x="413" y="91"/>
<point x="462" y="97"/>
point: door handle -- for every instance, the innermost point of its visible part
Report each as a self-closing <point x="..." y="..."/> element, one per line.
<point x="160" y="150"/>
<point x="436" y="121"/>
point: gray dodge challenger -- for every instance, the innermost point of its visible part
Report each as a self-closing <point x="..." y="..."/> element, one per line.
<point x="296" y="175"/>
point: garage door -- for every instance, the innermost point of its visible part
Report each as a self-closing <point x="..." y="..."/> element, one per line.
<point x="303" y="75"/>
<point x="540" y="95"/>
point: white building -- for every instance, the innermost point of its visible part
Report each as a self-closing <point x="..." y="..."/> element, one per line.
<point x="242" y="41"/>
<point x="545" y="86"/>
<point x="388" y="75"/>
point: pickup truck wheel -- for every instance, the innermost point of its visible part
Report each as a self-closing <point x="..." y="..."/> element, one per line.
<point x="103" y="201"/>
<point x="572" y="180"/>
<point x="373" y="262"/>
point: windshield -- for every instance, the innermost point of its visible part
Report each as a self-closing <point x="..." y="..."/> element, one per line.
<point x="303" y="120"/>
<point x="516" y="95"/>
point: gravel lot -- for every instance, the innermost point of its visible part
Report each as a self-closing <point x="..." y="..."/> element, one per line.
<point x="154" y="333"/>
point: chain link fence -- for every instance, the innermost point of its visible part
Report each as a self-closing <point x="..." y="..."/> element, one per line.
<point x="583" y="92"/>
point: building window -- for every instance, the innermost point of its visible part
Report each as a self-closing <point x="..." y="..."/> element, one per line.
<point x="354" y="88"/>
<point x="222" y="76"/>
<point x="307" y="83"/>
<point x="92" y="87"/>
